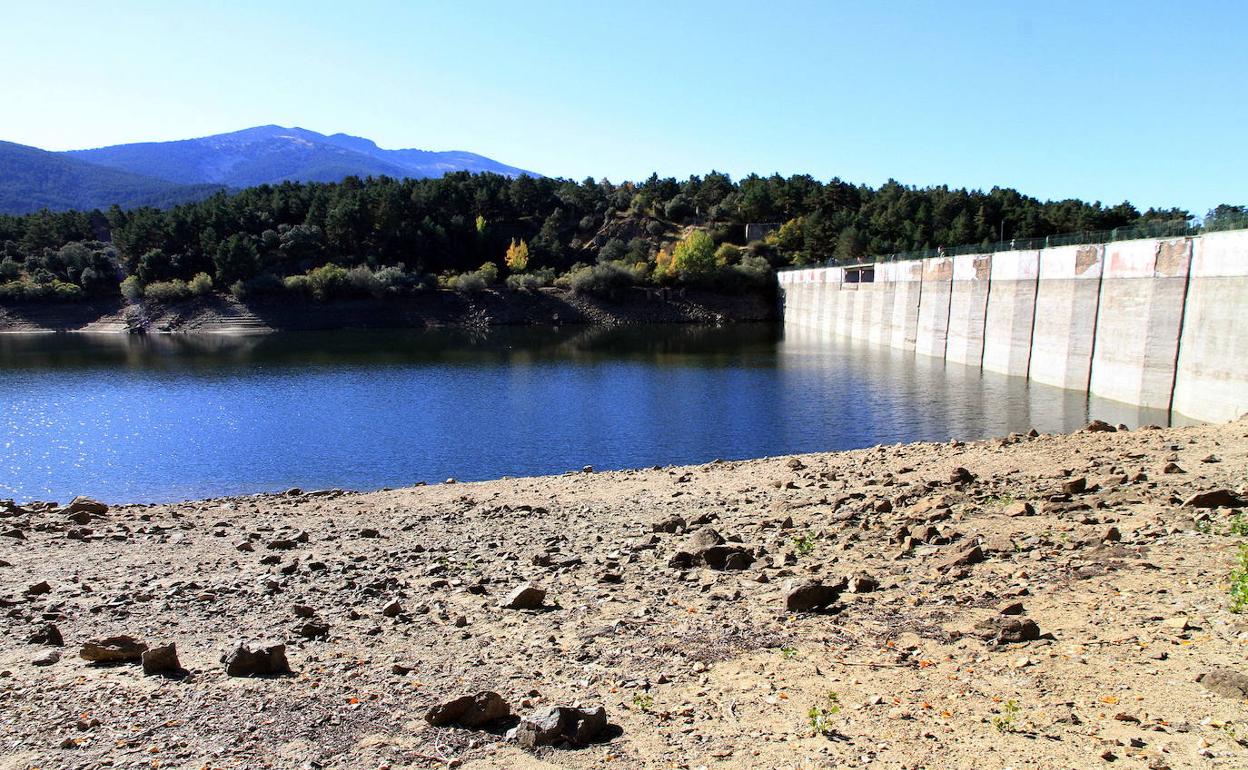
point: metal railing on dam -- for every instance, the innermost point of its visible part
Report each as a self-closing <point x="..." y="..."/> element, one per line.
<point x="1156" y="322"/>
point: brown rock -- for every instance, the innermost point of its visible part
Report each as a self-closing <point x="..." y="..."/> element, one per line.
<point x="962" y="558"/>
<point x="524" y="597"/>
<point x="85" y="505"/>
<point x="1215" y="498"/>
<point x="469" y="710"/>
<point x="1226" y="682"/>
<point x="255" y="659"/>
<point x="1074" y="486"/>
<point x="1020" y="508"/>
<point x="113" y="649"/>
<point x="161" y="660"/>
<point x="562" y="726"/>
<point x="813" y="597"/>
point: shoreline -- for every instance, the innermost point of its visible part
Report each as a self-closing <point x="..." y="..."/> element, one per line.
<point x="223" y="314"/>
<point x="975" y="597"/>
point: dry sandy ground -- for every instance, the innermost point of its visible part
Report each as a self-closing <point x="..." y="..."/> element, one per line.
<point x="697" y="667"/>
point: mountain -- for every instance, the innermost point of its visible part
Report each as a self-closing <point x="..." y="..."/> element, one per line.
<point x="32" y="179"/>
<point x="271" y="154"/>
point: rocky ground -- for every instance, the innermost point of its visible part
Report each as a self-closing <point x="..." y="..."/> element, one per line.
<point x="1024" y="602"/>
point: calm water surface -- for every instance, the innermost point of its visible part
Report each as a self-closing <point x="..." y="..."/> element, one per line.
<point x="129" y="419"/>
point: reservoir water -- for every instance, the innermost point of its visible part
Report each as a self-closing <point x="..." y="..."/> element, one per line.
<point x="163" y="418"/>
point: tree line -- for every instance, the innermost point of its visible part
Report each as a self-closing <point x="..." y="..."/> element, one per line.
<point x="468" y="231"/>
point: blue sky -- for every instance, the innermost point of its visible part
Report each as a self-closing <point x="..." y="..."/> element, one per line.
<point x="1107" y="101"/>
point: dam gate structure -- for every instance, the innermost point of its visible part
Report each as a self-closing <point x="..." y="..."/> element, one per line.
<point x="1155" y="323"/>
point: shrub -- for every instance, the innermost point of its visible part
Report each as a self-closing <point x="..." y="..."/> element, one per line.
<point x="613" y="250"/>
<point x="604" y="280"/>
<point x="326" y="281"/>
<point x="468" y="283"/>
<point x="396" y="280"/>
<point x="132" y="288"/>
<point x="517" y="257"/>
<point x="297" y="284"/>
<point x="678" y="208"/>
<point x="489" y="272"/>
<point x="167" y="291"/>
<point x="694" y="257"/>
<point x="265" y="283"/>
<point x="9" y="270"/>
<point x="360" y="280"/>
<point x="727" y="254"/>
<point x="531" y="281"/>
<point x="655" y="227"/>
<point x="200" y="285"/>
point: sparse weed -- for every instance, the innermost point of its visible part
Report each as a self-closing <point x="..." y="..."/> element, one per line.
<point x="1005" y="722"/>
<point x="1000" y="501"/>
<point x="643" y="703"/>
<point x="1239" y="581"/>
<point x="1238" y="525"/>
<point x="789" y="653"/>
<point x="804" y="545"/>
<point x="821" y="717"/>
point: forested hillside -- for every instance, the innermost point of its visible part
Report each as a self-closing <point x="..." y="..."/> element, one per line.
<point x="384" y="236"/>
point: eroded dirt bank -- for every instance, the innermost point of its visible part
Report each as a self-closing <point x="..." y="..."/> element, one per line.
<point x="1006" y="615"/>
<point x="225" y="315"/>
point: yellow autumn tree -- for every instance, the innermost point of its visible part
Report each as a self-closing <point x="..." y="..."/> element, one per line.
<point x="517" y="256"/>
<point x="664" y="265"/>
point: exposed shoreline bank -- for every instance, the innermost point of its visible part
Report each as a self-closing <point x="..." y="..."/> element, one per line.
<point x="222" y="314"/>
<point x="979" y="597"/>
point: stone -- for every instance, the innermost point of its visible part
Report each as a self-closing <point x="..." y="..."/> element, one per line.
<point x="961" y="476"/>
<point x="702" y="539"/>
<point x="561" y="726"/>
<point x="1099" y="426"/>
<point x="314" y="629"/>
<point x="161" y="660"/>
<point x="16" y="534"/>
<point x="726" y="557"/>
<point x="670" y="525"/>
<point x="1226" y="682"/>
<point x="392" y="609"/>
<point x="1008" y="629"/>
<point x="1215" y="498"/>
<point x="85" y="505"/>
<point x="524" y="597"/>
<point x="48" y="658"/>
<point x="1172" y="467"/>
<point x="861" y="583"/>
<point x="256" y="659"/>
<point x="1020" y="508"/>
<point x="813" y="597"/>
<point x="38" y="589"/>
<point x="47" y="634"/>
<point x="469" y="710"/>
<point x="962" y="558"/>
<point x="113" y="649"/>
<point x="1074" y="486"/>
<point x="1011" y="608"/>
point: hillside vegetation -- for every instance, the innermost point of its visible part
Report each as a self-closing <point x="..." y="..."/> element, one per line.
<point x="382" y="236"/>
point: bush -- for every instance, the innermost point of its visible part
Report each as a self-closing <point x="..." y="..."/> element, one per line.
<point x="9" y="270"/>
<point x="265" y="283"/>
<point x="327" y="281"/>
<point x="132" y="288"/>
<point x="360" y="280"/>
<point x="468" y="283"/>
<point x="727" y="254"/>
<point x="655" y="227"/>
<point x="167" y="291"/>
<point x="297" y="284"/>
<point x="613" y="250"/>
<point x="679" y="208"/>
<point x="603" y="280"/>
<point x="396" y="280"/>
<point x="531" y="281"/>
<point x="200" y="285"/>
<point x="489" y="272"/>
<point x="693" y="258"/>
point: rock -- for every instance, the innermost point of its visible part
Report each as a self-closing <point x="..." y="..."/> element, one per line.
<point x="1010" y="608"/>
<point x="47" y="658"/>
<point x="314" y="629"/>
<point x="392" y="609"/>
<point x="256" y="659"/>
<point x="702" y="539"/>
<point x="161" y="660"/>
<point x="1226" y="682"/>
<point x="1019" y="508"/>
<point x="813" y="597"/>
<point x="961" y="476"/>
<point x="1172" y="468"/>
<point x="113" y="649"/>
<point x="726" y="557"/>
<point x="524" y="597"/>
<point x="861" y="583"/>
<point x="85" y="505"/>
<point x="670" y="525"/>
<point x="1074" y="486"/>
<point x="962" y="558"/>
<point x="16" y="534"/>
<point x="245" y="546"/>
<point x="1211" y="459"/>
<point x="1100" y="426"/>
<point x="561" y="726"/>
<point x="795" y="464"/>
<point x="1008" y="629"/>
<point x="80" y="517"/>
<point x="1215" y="498"/>
<point x="469" y="710"/>
<point x="48" y="634"/>
<point x="38" y="589"/>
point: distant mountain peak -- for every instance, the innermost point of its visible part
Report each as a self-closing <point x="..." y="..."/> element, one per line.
<point x="272" y="153"/>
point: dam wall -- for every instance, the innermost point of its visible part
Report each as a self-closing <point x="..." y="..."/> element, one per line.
<point x="968" y="307"/>
<point x="1157" y="323"/>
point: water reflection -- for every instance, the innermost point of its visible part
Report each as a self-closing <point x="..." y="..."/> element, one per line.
<point x="174" y="417"/>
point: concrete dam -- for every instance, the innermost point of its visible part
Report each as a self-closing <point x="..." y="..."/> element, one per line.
<point x="1157" y="323"/>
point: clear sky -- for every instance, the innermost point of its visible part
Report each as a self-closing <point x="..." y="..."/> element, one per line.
<point x="1140" y="100"/>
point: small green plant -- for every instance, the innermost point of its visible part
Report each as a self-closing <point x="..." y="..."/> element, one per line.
<point x="788" y="653"/>
<point x="1239" y="525"/>
<point x="643" y="703"/>
<point x="1239" y="581"/>
<point x="804" y="545"/>
<point x="821" y="716"/>
<point x="1204" y="526"/>
<point x="1001" y="501"/>
<point x="1005" y="722"/>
